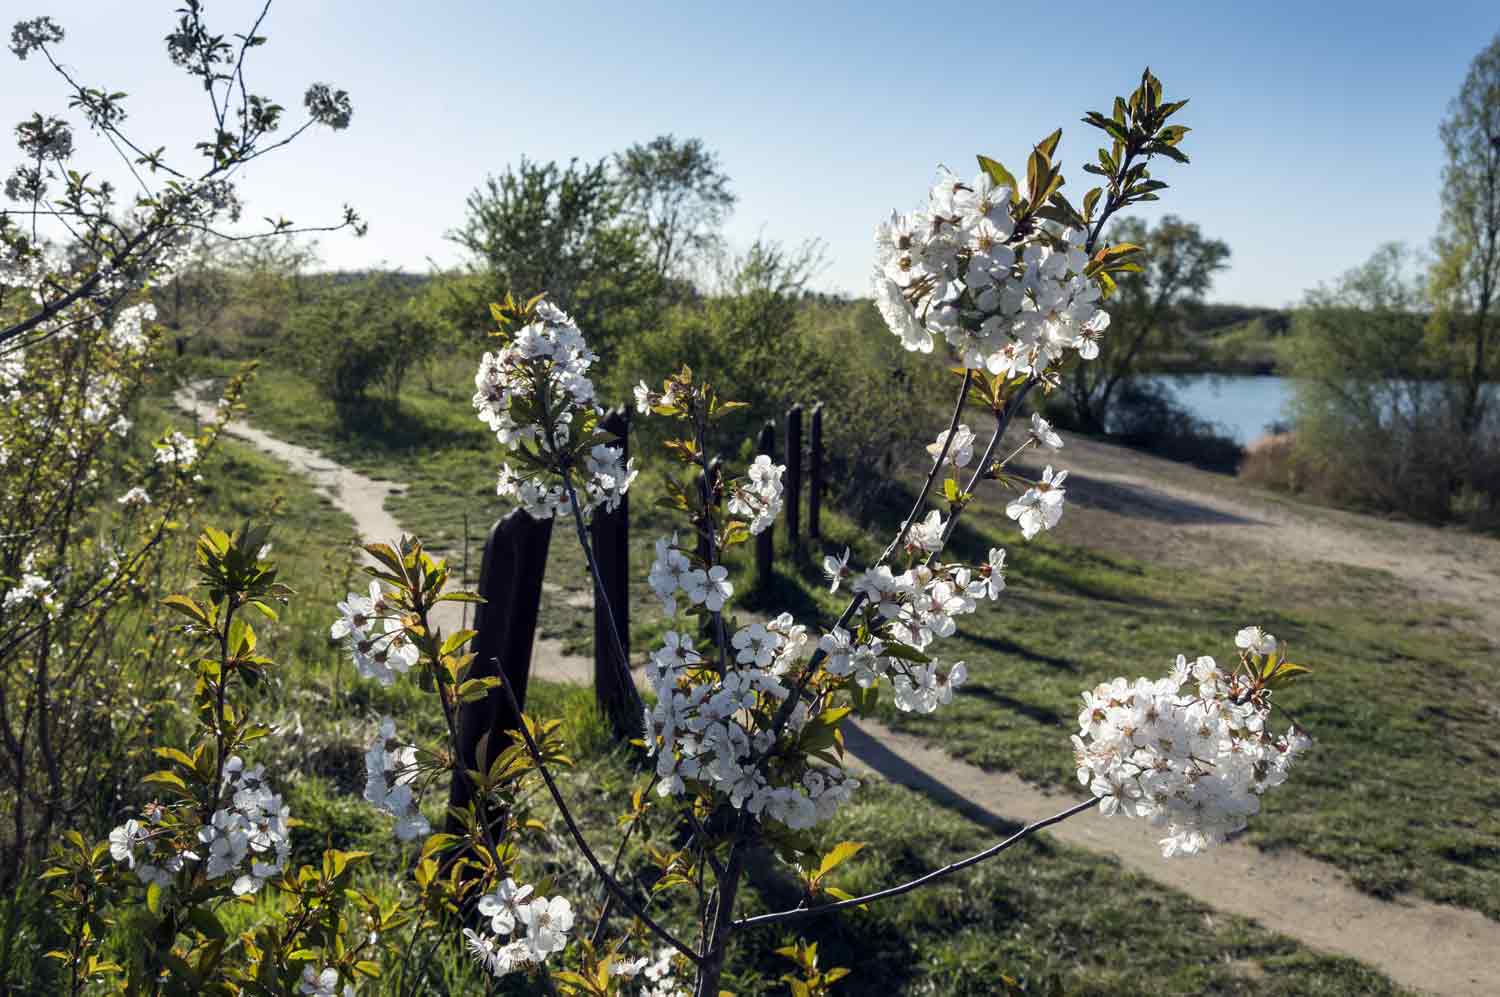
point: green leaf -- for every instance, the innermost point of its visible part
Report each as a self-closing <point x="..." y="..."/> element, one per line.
<point x="153" y="897"/>
<point x="1172" y="153"/>
<point x="1172" y="134"/>
<point x="165" y="777"/>
<point x="178" y="756"/>
<point x="841" y="853"/>
<point x="457" y="640"/>
<point x="474" y="690"/>
<point x="1048" y="145"/>
<point x="204" y="920"/>
<point x="386" y="555"/>
<point x="241" y="637"/>
<point x="186" y="607"/>
<point x="460" y="597"/>
<point x="1000" y="176"/>
<point x="906" y="652"/>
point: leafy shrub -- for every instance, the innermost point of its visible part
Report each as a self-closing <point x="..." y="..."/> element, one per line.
<point x="1146" y="416"/>
<point x="362" y="334"/>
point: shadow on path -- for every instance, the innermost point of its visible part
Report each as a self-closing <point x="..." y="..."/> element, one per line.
<point x="893" y="767"/>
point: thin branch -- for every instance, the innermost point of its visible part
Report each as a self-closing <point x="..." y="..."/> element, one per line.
<point x="785" y="713"/>
<point x="622" y="659"/>
<point x="1002" y="422"/>
<point x="802" y="913"/>
<point x="578" y="838"/>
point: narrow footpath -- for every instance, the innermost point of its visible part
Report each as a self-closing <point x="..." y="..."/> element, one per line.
<point x="1429" y="947"/>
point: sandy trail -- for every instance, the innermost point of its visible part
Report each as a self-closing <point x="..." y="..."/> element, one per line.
<point x="1425" y="946"/>
<point x="1203" y="518"/>
<point x="363" y="500"/>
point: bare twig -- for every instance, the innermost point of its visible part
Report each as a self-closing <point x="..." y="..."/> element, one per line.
<point x="785" y="713"/>
<point x="614" y="886"/>
<point x="802" y="913"/>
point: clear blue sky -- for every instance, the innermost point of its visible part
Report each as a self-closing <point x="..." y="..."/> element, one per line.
<point x="1314" y="123"/>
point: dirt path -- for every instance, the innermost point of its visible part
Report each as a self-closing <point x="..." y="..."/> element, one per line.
<point x="1160" y="509"/>
<point x="363" y="500"/>
<point x="1425" y="946"/>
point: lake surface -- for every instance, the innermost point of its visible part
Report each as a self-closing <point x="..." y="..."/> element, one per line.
<point x="1242" y="405"/>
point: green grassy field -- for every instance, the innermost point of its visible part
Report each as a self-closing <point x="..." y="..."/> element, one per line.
<point x="1399" y="695"/>
<point x="1041" y="912"/>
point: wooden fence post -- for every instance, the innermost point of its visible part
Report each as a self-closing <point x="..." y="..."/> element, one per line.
<point x="815" y="474"/>
<point x="510" y="580"/>
<point x="765" y="544"/>
<point x="793" y="496"/>
<point x="610" y="535"/>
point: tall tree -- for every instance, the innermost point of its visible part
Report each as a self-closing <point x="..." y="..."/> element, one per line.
<point x="1466" y="275"/>
<point x="1177" y="269"/>
<point x="680" y="196"/>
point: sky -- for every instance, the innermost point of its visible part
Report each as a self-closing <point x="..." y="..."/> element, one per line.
<point x="1314" y="123"/>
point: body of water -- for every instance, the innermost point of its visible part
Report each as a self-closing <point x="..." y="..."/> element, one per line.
<point x="1243" y="405"/>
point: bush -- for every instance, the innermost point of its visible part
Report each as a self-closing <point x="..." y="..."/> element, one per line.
<point x="1144" y="415"/>
<point x="361" y="334"/>
<point x="1379" y="417"/>
<point x="778" y="347"/>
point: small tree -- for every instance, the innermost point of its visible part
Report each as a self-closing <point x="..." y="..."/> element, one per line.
<point x="1177" y="267"/>
<point x="680" y="196"/>
<point x="566" y="229"/>
<point x="1375" y="422"/>
<point x="361" y="334"/>
<point x="1465" y="279"/>
<point x="744" y="735"/>
<point x="86" y="505"/>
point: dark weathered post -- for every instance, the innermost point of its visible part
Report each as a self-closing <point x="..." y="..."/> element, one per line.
<point x="510" y="580"/>
<point x="793" y="497"/>
<point x="815" y="474"/>
<point x="610" y="534"/>
<point x="765" y="544"/>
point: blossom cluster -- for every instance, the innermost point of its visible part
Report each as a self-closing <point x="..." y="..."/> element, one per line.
<point x="1192" y="752"/>
<point x="390" y="768"/>
<point x="655" y="977"/>
<point x="1040" y="507"/>
<point x="758" y="497"/>
<point x="540" y="927"/>
<point x="710" y="728"/>
<point x="714" y="722"/>
<point x="254" y="826"/>
<point x="31" y="588"/>
<point x="534" y="391"/>
<point x="177" y="450"/>
<point x="1010" y="302"/>
<point x="323" y="983"/>
<point x="135" y="843"/>
<point x="673" y="574"/>
<point x="607" y="476"/>
<point x="375" y="634"/>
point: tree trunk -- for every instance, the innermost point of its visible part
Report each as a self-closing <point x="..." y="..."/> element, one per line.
<point x="711" y="971"/>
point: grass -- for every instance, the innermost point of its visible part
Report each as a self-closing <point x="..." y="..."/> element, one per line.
<point x="1400" y="698"/>
<point x="1047" y="914"/>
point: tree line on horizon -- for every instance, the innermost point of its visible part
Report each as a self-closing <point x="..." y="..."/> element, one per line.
<point x="633" y="246"/>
